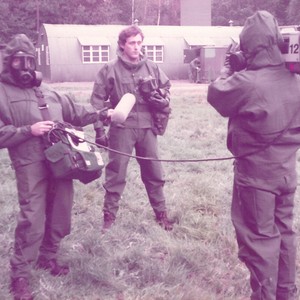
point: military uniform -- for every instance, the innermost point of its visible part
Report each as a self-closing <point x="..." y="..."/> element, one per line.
<point x="115" y="79"/>
<point x="262" y="103"/>
<point x="45" y="203"/>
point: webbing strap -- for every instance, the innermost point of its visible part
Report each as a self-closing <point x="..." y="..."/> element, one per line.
<point x="43" y="106"/>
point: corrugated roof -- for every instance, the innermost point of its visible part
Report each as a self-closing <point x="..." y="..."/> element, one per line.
<point x="153" y="40"/>
<point x="93" y="40"/>
<point x="206" y="35"/>
<point x="199" y="41"/>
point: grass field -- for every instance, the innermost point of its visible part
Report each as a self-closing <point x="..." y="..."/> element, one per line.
<point x="136" y="259"/>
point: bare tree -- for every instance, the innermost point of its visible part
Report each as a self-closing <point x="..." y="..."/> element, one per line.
<point x="158" y="12"/>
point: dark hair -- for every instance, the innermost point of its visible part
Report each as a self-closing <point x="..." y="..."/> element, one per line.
<point x="129" y="31"/>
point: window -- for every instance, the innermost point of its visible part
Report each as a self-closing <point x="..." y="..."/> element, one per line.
<point x="155" y="53"/>
<point x="95" y="54"/>
<point x="94" y="49"/>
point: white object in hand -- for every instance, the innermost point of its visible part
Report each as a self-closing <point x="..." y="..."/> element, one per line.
<point x="123" y="108"/>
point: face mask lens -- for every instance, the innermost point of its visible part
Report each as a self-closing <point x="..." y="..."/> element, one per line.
<point x="23" y="63"/>
<point x="29" y="63"/>
<point x="16" y="63"/>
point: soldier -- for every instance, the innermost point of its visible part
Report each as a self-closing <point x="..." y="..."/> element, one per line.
<point x="262" y="103"/>
<point x="126" y="74"/>
<point x="45" y="202"/>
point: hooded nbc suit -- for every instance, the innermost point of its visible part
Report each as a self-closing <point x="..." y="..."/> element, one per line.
<point x="262" y="103"/>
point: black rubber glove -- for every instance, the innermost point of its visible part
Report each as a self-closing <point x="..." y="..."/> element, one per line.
<point x="157" y="101"/>
<point x="227" y="69"/>
<point x="103" y="114"/>
<point x="101" y="137"/>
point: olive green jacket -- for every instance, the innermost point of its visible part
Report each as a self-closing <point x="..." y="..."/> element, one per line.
<point x="119" y="77"/>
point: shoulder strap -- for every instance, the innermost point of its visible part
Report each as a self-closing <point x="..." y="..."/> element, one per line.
<point x="43" y="106"/>
<point x="150" y="69"/>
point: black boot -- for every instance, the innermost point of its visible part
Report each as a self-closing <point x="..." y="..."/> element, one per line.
<point x="108" y="221"/>
<point x="53" y="266"/>
<point x="20" y="289"/>
<point x="164" y="221"/>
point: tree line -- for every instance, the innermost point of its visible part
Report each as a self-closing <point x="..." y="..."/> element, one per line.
<point x="287" y="12"/>
<point x="19" y="16"/>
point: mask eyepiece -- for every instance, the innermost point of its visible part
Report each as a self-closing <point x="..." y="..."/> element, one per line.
<point x="23" y="61"/>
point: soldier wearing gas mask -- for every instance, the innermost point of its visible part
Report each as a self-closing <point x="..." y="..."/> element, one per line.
<point x="261" y="100"/>
<point x="23" y="69"/>
<point x="45" y="203"/>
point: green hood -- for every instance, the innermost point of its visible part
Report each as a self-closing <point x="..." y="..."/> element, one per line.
<point x="129" y="65"/>
<point x="19" y="42"/>
<point x="260" y="40"/>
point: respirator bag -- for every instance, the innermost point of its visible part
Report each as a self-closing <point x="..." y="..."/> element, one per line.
<point x="160" y="117"/>
<point x="70" y="157"/>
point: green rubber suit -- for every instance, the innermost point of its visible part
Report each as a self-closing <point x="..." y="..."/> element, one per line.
<point x="262" y="102"/>
<point x="45" y="203"/>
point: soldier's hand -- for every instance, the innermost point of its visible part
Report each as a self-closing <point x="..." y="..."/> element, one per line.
<point x="105" y="114"/>
<point x="101" y="137"/>
<point x="41" y="128"/>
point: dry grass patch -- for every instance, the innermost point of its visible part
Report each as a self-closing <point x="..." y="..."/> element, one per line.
<point x="136" y="259"/>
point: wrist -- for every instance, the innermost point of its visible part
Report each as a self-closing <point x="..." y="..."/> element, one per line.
<point x="100" y="131"/>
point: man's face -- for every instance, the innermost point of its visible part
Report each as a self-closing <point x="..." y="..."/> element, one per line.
<point x="132" y="48"/>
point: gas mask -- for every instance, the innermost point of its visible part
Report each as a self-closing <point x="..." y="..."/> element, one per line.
<point x="147" y="85"/>
<point x="23" y="69"/>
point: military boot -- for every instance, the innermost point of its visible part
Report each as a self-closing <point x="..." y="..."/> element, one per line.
<point x="108" y="221"/>
<point x="52" y="266"/>
<point x="20" y="289"/>
<point x="164" y="221"/>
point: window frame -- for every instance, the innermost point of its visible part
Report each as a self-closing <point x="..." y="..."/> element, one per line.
<point x="92" y="52"/>
<point x="154" y="53"/>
